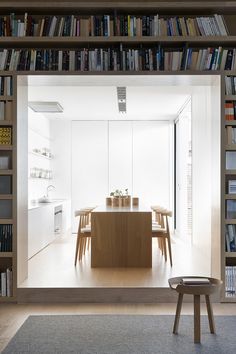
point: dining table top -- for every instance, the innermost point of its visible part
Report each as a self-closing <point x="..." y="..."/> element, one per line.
<point x="131" y="209"/>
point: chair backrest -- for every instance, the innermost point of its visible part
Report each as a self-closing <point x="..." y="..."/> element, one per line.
<point x="162" y="215"/>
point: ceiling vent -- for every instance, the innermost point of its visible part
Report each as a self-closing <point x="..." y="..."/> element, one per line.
<point x="45" y="107"/>
<point x="121" y="97"/>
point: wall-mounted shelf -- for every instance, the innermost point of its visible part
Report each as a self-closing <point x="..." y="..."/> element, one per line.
<point x="40" y="155"/>
<point x="43" y="178"/>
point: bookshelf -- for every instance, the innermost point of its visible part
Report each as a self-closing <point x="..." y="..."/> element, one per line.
<point x="228" y="245"/>
<point x="83" y="9"/>
<point x="7" y="189"/>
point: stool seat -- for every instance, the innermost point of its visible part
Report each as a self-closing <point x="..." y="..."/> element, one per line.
<point x="196" y="289"/>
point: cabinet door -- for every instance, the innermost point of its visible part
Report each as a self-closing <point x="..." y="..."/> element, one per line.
<point x="120" y="156"/>
<point x="89" y="165"/>
<point x="152" y="162"/>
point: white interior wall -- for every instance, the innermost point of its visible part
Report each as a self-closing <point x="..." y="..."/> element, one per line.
<point x="215" y="105"/>
<point x="202" y="170"/>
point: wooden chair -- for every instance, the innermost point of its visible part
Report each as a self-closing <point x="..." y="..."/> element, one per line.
<point x="84" y="232"/>
<point x="160" y="230"/>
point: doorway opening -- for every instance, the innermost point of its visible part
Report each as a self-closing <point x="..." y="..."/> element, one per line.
<point x="79" y="155"/>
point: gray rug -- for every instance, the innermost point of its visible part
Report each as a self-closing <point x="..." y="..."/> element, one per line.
<point x="120" y="334"/>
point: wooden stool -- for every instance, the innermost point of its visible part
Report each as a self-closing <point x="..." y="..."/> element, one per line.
<point x="196" y="291"/>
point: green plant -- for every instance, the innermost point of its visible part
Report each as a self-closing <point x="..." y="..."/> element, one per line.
<point x="119" y="193"/>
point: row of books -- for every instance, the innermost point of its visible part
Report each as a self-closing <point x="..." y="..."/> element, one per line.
<point x="6" y="283"/>
<point x="5" y="110"/>
<point x="230" y="281"/>
<point x="230" y="135"/>
<point x="5" y="83"/>
<point x="232" y="186"/>
<point x="112" y="25"/>
<point x="230" y="110"/>
<point x="230" y="85"/>
<point x="230" y="238"/>
<point x="5" y="238"/>
<point x="231" y="208"/>
<point x="115" y="59"/>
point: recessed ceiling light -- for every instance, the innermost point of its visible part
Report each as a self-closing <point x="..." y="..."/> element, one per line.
<point x="45" y="107"/>
<point x="121" y="97"/>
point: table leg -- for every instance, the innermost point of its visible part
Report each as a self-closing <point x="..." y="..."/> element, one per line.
<point x="210" y="314"/>
<point x="197" y="327"/>
<point x="177" y="315"/>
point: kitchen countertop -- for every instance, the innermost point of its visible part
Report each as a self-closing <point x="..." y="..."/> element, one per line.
<point x="36" y="205"/>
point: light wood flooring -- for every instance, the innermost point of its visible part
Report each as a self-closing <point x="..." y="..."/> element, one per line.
<point x="12" y="316"/>
<point x="54" y="267"/>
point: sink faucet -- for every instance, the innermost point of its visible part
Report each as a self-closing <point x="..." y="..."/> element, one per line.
<point x="49" y="188"/>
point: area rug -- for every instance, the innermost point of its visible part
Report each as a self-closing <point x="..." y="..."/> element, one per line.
<point x="120" y="334"/>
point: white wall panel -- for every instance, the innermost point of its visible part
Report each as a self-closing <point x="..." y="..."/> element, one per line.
<point x="89" y="164"/>
<point x="120" y="156"/>
<point x="152" y="146"/>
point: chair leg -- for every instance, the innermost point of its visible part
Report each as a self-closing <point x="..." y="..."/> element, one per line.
<point x="77" y="249"/>
<point x="177" y="315"/>
<point x="169" y="248"/>
<point x="164" y="247"/>
<point x="197" y="324"/>
<point x="89" y="240"/>
<point x="210" y="314"/>
<point x="80" y="249"/>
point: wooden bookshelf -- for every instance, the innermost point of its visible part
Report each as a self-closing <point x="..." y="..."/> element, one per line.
<point x="169" y="8"/>
<point x="7" y="154"/>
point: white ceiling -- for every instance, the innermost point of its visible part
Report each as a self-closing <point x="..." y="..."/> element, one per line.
<point x="94" y="97"/>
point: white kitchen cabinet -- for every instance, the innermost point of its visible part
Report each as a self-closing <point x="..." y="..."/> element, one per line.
<point x="41" y="225"/>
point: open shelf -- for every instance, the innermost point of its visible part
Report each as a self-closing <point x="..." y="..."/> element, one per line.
<point x="8" y="299"/>
<point x="6" y="196"/>
<point x="67" y="41"/>
<point x="230" y="196"/>
<point x="40" y="155"/>
<point x="230" y="147"/>
<point x="5" y="122"/>
<point x="6" y="221"/>
<point x="6" y="254"/>
<point x="6" y="172"/>
<point x="6" y="147"/>
<point x="230" y="122"/>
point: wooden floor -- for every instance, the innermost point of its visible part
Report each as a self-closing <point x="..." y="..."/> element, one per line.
<point x="54" y="267"/>
<point x="12" y="316"/>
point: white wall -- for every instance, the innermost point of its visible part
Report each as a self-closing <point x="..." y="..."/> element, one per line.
<point x="215" y="181"/>
<point x="205" y="169"/>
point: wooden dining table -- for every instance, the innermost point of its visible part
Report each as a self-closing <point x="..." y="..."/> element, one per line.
<point x="121" y="237"/>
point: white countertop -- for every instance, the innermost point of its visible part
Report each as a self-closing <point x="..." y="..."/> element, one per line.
<point x="132" y="209"/>
<point x="36" y="205"/>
